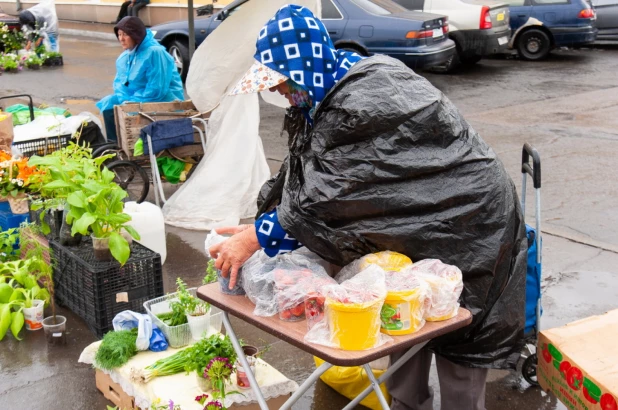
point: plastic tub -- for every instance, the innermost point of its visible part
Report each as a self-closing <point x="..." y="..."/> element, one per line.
<point x="354" y="326"/>
<point x="179" y="336"/>
<point x="34" y="316"/>
<point x="147" y="219"/>
<point x="199" y="325"/>
<point x="55" y="331"/>
<point x="403" y="311"/>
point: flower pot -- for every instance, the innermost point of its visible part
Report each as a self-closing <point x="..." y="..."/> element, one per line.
<point x="34" y="315"/>
<point x="203" y="383"/>
<point x="199" y="325"/>
<point x="101" y="247"/>
<point x="55" y="332"/>
<point x="34" y="67"/>
<point x="250" y="351"/>
<point x="224" y="284"/>
<point x="242" y="380"/>
<point x="66" y="239"/>
<point x="19" y="204"/>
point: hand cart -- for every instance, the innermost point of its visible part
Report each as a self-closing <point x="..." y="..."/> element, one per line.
<point x="534" y="259"/>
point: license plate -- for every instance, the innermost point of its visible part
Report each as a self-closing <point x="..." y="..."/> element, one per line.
<point x="503" y="40"/>
<point x="437" y="32"/>
<point x="500" y="16"/>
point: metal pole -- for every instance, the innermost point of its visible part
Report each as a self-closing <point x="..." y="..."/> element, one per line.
<point x="392" y="369"/>
<point x="305" y="386"/>
<point x="243" y="360"/>
<point x="376" y="387"/>
<point x="191" y="30"/>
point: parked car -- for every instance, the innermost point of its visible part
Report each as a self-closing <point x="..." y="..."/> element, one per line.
<point x="541" y="25"/>
<point x="478" y="27"/>
<point x="607" y="19"/>
<point x="418" y="39"/>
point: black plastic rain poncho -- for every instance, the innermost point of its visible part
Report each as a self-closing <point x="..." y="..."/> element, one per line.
<point x="390" y="164"/>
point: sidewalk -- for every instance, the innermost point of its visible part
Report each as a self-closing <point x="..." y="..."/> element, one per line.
<point x="103" y="31"/>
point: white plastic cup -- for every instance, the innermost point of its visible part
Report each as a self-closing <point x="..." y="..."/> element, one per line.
<point x="34" y="316"/>
<point x="199" y="325"/>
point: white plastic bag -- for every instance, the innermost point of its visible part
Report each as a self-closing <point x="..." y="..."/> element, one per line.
<point x="352" y="313"/>
<point x="127" y="320"/>
<point x="446" y="283"/>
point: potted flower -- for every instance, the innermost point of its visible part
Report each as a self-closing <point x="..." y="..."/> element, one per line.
<point x="16" y="180"/>
<point x="33" y="62"/>
<point x="9" y="63"/>
<point x="197" y="311"/>
<point x="53" y="58"/>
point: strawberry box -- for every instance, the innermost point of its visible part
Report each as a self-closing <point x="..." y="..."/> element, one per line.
<point x="578" y="362"/>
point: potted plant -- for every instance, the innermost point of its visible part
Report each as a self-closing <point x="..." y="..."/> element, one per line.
<point x="9" y="63"/>
<point x="16" y="180"/>
<point x="224" y="283"/>
<point x="12" y="40"/>
<point x="33" y="62"/>
<point x="53" y="58"/>
<point x="197" y="311"/>
<point x="219" y="373"/>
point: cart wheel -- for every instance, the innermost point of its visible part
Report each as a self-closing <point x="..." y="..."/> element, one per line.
<point x="110" y="149"/>
<point x="132" y="178"/>
<point x="528" y="369"/>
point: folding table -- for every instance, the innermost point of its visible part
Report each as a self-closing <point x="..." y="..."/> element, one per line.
<point x="294" y="333"/>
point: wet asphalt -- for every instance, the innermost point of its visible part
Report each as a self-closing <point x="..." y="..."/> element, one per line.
<point x="566" y="106"/>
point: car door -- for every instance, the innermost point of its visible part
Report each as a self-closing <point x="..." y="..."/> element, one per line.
<point x="555" y="13"/>
<point x="520" y="11"/>
<point x="334" y="19"/>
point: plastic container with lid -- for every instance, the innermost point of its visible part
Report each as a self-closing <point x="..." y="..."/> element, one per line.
<point x="147" y="220"/>
<point x="407" y="299"/>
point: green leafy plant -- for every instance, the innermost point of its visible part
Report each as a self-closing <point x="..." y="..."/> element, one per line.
<point x="194" y="357"/>
<point x="33" y="61"/>
<point x="11" y="317"/>
<point x="13" y="40"/>
<point x="219" y="372"/>
<point x="8" y="240"/>
<point x="211" y="273"/>
<point x="9" y="62"/>
<point x="116" y="349"/>
<point x="189" y="303"/>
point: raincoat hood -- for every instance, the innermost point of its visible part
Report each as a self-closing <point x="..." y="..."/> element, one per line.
<point x="133" y="27"/>
<point x="296" y="44"/>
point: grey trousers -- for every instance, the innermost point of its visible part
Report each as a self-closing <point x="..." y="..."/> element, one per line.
<point x="461" y="388"/>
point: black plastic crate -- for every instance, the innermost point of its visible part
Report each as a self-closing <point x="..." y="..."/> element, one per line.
<point x="96" y="291"/>
<point x="42" y="146"/>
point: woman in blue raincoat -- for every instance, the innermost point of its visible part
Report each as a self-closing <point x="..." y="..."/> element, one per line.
<point x="145" y="72"/>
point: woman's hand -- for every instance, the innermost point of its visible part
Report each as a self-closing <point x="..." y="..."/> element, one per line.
<point x="232" y="253"/>
<point x="232" y="230"/>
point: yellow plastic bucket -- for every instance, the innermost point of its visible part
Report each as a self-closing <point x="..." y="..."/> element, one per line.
<point x="402" y="312"/>
<point x="354" y="326"/>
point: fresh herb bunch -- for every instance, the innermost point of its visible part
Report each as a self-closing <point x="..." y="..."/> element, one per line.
<point x="195" y="357"/>
<point x="189" y="303"/>
<point x="116" y="349"/>
<point x="211" y="273"/>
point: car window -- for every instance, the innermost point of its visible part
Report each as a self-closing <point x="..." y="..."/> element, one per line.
<point x="371" y="7"/>
<point x="228" y="12"/>
<point x="330" y="11"/>
<point x="413" y="4"/>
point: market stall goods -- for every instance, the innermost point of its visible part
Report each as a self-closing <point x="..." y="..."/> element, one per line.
<point x="406" y="304"/>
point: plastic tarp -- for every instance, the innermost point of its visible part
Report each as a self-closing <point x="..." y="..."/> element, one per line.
<point x="225" y="185"/>
<point x="390" y="164"/>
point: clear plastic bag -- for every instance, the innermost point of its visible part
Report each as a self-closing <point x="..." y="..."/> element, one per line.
<point x="261" y="273"/>
<point x="352" y="313"/>
<point x="407" y="301"/>
<point x="446" y="284"/>
<point x="387" y="260"/>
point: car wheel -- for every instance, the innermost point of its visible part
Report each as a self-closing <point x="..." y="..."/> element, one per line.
<point x="533" y="45"/>
<point x="179" y="51"/>
<point x="470" y="60"/>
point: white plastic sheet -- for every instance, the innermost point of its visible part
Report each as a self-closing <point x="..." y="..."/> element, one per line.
<point x="224" y="187"/>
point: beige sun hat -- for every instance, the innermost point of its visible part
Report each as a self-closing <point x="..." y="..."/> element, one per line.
<point x="258" y="78"/>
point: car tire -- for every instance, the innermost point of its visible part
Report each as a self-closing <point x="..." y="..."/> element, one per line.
<point x="533" y="45"/>
<point x="469" y="60"/>
<point x="179" y="50"/>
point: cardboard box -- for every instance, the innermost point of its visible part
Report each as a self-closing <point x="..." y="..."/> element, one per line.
<point x="114" y="393"/>
<point x="579" y="362"/>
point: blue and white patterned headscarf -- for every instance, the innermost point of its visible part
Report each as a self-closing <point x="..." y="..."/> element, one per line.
<point x="296" y="44"/>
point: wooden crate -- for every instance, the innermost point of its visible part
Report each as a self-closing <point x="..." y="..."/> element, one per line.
<point x="114" y="393"/>
<point x="129" y="122"/>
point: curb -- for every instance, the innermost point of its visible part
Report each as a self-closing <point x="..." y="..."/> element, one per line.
<point x="86" y="33"/>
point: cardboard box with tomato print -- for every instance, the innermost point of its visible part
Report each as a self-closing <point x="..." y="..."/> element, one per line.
<point x="579" y="362"/>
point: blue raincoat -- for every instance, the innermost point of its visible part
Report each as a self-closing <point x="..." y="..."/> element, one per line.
<point x="144" y="74"/>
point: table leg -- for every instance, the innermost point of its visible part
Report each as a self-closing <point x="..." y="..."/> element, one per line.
<point x="243" y="360"/>
<point x="305" y="386"/>
<point x="393" y="368"/>
<point x="375" y="384"/>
